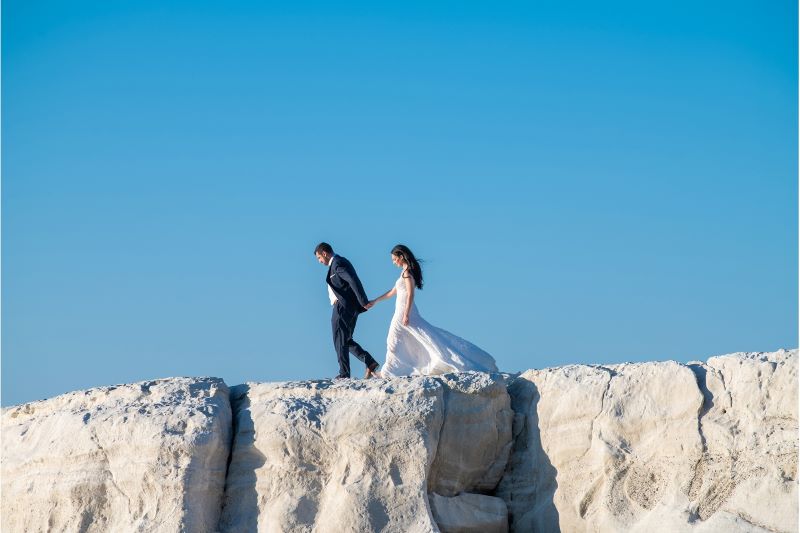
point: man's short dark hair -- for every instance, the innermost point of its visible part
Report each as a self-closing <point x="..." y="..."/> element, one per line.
<point x="323" y="247"/>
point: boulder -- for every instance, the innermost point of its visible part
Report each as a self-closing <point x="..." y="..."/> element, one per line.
<point x="475" y="439"/>
<point x="656" y="446"/>
<point x="332" y="456"/>
<point x="150" y="456"/>
<point x="360" y="455"/>
<point x="748" y="424"/>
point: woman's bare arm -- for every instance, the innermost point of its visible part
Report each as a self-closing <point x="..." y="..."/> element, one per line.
<point x="409" y="281"/>
<point x="388" y="294"/>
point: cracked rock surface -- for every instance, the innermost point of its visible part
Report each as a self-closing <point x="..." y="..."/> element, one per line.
<point x="748" y="470"/>
<point x="656" y="446"/>
<point x="148" y="456"/>
<point x="322" y="456"/>
<point x="361" y="455"/>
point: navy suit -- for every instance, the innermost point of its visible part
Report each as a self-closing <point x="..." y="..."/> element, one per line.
<point x="350" y="301"/>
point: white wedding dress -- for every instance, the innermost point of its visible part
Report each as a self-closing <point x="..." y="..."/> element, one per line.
<point x="423" y="349"/>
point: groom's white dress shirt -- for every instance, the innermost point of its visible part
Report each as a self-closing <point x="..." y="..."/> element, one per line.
<point x="331" y="295"/>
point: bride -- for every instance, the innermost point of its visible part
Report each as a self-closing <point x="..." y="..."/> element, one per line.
<point x="415" y="347"/>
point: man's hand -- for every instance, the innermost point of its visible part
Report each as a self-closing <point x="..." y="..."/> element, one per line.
<point x="369" y="304"/>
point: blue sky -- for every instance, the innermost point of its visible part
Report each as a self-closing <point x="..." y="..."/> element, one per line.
<point x="588" y="182"/>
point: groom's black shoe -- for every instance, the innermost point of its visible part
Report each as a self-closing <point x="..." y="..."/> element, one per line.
<point x="340" y="378"/>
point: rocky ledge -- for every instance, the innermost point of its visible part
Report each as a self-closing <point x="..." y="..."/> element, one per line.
<point x="656" y="446"/>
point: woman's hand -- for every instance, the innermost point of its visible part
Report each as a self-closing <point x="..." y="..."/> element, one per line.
<point x="405" y="320"/>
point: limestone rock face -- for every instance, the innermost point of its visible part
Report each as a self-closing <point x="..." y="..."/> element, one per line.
<point x="656" y="446"/>
<point x="663" y="446"/>
<point x="475" y="440"/>
<point x="358" y="455"/>
<point x="150" y="456"/>
<point x="322" y="456"/>
<point x="748" y="471"/>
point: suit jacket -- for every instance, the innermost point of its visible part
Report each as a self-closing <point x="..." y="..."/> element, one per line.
<point x="344" y="282"/>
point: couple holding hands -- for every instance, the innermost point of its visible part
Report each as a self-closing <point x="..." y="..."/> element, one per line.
<point x="413" y="346"/>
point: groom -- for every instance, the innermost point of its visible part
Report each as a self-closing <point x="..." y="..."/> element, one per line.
<point x="348" y="300"/>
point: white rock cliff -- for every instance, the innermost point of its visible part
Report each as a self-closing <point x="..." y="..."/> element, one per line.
<point x="656" y="446"/>
<point x="631" y="447"/>
<point x="144" y="457"/>
<point x="363" y="455"/>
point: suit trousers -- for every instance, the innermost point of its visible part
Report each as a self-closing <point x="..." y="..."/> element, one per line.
<point x="343" y="322"/>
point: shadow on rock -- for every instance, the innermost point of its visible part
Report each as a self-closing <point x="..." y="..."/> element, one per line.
<point x="240" y="508"/>
<point x="529" y="484"/>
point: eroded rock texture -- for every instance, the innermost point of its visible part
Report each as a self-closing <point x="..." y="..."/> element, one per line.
<point x="361" y="455"/>
<point x="748" y="425"/>
<point x="656" y="446"/>
<point x="150" y="456"/>
<point x="475" y="439"/>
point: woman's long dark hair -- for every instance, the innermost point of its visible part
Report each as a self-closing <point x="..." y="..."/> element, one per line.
<point x="401" y="250"/>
